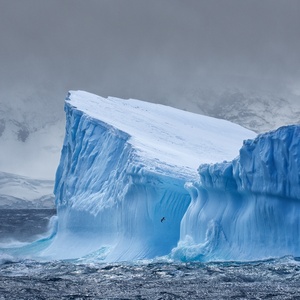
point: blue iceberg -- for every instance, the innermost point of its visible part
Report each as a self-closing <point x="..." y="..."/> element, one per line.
<point x="129" y="187"/>
<point x="120" y="185"/>
<point x="246" y="209"/>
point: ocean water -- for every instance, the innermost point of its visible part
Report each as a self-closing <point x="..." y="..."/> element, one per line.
<point x="29" y="279"/>
<point x="24" y="225"/>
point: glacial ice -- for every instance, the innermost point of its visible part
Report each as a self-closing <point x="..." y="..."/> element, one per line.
<point x="246" y="209"/>
<point x="123" y="168"/>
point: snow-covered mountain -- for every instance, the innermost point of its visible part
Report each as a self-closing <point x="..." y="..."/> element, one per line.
<point x="31" y="134"/>
<point x="257" y="111"/>
<point x="19" y="192"/>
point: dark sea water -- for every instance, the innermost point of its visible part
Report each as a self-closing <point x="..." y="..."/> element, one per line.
<point x="24" y="224"/>
<point x="27" y="279"/>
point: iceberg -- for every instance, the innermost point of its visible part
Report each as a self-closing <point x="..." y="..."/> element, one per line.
<point x="246" y="209"/>
<point x="120" y="184"/>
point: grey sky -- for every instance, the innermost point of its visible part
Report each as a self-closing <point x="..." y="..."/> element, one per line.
<point x="167" y="51"/>
<point x="148" y="48"/>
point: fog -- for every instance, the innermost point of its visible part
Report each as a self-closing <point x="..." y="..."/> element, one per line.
<point x="144" y="49"/>
<point x="158" y="50"/>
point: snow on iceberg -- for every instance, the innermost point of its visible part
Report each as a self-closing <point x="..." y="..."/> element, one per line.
<point x="119" y="188"/>
<point x="247" y="209"/>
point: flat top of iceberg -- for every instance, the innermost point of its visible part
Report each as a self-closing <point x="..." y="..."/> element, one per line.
<point x="163" y="134"/>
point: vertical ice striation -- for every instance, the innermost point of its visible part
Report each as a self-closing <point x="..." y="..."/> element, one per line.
<point x="248" y="208"/>
<point x="119" y="188"/>
<point x="107" y="202"/>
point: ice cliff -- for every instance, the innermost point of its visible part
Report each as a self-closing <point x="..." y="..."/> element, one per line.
<point x="248" y="208"/>
<point x="119" y="188"/>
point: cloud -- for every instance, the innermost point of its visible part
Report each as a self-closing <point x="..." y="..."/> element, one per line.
<point x="139" y="48"/>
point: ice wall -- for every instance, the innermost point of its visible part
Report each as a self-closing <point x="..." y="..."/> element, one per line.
<point x="119" y="188"/>
<point x="248" y="208"/>
<point x="106" y="202"/>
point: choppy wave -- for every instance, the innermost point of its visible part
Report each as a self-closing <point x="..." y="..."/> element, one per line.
<point x="271" y="279"/>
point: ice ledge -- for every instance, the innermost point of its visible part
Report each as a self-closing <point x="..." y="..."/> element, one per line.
<point x="268" y="164"/>
<point x="247" y="209"/>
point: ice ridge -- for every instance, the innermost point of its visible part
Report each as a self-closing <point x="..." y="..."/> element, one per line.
<point x="246" y="209"/>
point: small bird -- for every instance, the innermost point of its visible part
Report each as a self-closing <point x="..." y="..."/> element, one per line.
<point x="162" y="219"/>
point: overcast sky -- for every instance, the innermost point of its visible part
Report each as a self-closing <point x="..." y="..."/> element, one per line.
<point x="155" y="50"/>
<point x="148" y="48"/>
